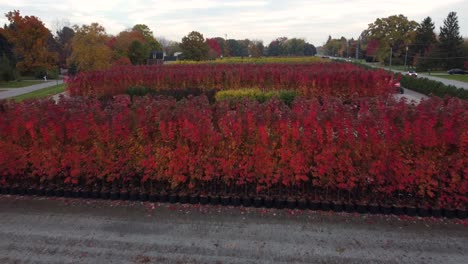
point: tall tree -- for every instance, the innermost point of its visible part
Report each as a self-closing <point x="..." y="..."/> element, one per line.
<point x="424" y="45"/>
<point x="194" y="46"/>
<point x="151" y="43"/>
<point x="309" y="50"/>
<point x="393" y="33"/>
<point x="64" y="39"/>
<point x="90" y="51"/>
<point x="30" y="40"/>
<point x="451" y="43"/>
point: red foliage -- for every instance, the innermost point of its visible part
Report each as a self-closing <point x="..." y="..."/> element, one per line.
<point x="214" y="45"/>
<point x="341" y="80"/>
<point x="370" y="149"/>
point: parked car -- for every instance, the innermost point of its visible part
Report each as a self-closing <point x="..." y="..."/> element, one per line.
<point x="412" y="73"/>
<point x="396" y="84"/>
<point x="457" y="71"/>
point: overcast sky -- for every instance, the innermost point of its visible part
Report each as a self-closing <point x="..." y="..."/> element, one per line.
<point x="264" y="20"/>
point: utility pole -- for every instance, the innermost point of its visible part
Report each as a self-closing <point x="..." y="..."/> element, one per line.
<point x="391" y="53"/>
<point x="357" y="47"/>
<point x="406" y="55"/>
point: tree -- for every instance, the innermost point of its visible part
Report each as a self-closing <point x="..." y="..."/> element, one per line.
<point x="277" y="47"/>
<point x="309" y="50"/>
<point x="30" y="40"/>
<point x="214" y="46"/>
<point x="423" y="46"/>
<point x="64" y="39"/>
<point x="294" y="47"/>
<point x="138" y="53"/>
<point x="151" y="42"/>
<point x="451" y="43"/>
<point x="89" y="49"/>
<point x="393" y="33"/>
<point x="194" y="46"/>
<point x="256" y="48"/>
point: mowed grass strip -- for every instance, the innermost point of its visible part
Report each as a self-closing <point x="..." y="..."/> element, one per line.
<point x="19" y="84"/>
<point x="456" y="77"/>
<point x="53" y="90"/>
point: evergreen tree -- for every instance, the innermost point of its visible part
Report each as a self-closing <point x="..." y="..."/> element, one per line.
<point x="424" y="45"/>
<point x="451" y="43"/>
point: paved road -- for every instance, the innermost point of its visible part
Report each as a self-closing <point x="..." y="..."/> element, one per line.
<point x="7" y="93"/>
<point x="411" y="96"/>
<point x="458" y="84"/>
<point x="39" y="230"/>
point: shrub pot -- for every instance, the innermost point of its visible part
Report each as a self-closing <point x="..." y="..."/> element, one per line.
<point x="291" y="203"/>
<point x="124" y="195"/>
<point x="184" y="198"/>
<point x="104" y="194"/>
<point x="114" y="195"/>
<point x="423" y="211"/>
<point x="279" y="202"/>
<point x="246" y="201"/>
<point x="235" y="200"/>
<point x="302" y="204"/>
<point x="373" y="208"/>
<point x="436" y="212"/>
<point x="258" y="202"/>
<point x="411" y="211"/>
<point x="48" y="192"/>
<point x="4" y="190"/>
<point x="163" y="197"/>
<point x="398" y="210"/>
<point x="173" y="198"/>
<point x="268" y="202"/>
<point x="225" y="200"/>
<point x="204" y="199"/>
<point x="95" y="194"/>
<point x="361" y="208"/>
<point x="461" y="213"/>
<point x="314" y="205"/>
<point x="143" y="196"/>
<point x="86" y="194"/>
<point x="153" y="197"/>
<point x="59" y="192"/>
<point x="214" y="200"/>
<point x="385" y="209"/>
<point x="194" y="199"/>
<point x="14" y="190"/>
<point x="336" y="206"/>
<point x="76" y="193"/>
<point x="21" y="191"/>
<point x="134" y="196"/>
<point x="32" y="191"/>
<point x="449" y="213"/>
<point x="325" y="206"/>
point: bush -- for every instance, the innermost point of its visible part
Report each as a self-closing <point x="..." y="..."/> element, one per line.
<point x="430" y="87"/>
<point x="370" y="150"/>
<point x="177" y="94"/>
<point x="286" y="96"/>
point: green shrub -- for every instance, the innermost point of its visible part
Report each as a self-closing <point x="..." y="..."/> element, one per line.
<point x="430" y="87"/>
<point x="256" y="94"/>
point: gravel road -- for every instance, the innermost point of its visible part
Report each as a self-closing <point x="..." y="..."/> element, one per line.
<point x="41" y="230"/>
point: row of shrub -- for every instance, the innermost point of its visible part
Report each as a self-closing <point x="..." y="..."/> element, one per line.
<point x="260" y="60"/>
<point x="286" y="96"/>
<point x="339" y="80"/>
<point x="431" y="87"/>
<point x="369" y="150"/>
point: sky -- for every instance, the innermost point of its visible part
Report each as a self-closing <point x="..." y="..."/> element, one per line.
<point x="266" y="20"/>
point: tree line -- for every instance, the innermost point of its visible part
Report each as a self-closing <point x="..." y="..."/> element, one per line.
<point x="401" y="41"/>
<point x="28" y="47"/>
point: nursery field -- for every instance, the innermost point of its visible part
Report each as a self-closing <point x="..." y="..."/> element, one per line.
<point x="342" y="143"/>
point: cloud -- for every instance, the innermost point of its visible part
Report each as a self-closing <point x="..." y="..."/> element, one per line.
<point x="313" y="20"/>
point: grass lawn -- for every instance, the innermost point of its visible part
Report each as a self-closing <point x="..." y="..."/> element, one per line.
<point x="19" y="84"/>
<point x="56" y="89"/>
<point x="456" y="77"/>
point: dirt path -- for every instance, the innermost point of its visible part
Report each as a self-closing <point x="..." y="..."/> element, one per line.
<point x="40" y="230"/>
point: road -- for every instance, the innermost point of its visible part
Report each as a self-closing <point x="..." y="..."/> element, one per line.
<point x="12" y="92"/>
<point x="57" y="230"/>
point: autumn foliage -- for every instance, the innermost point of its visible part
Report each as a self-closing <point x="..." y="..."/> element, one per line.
<point x="367" y="150"/>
